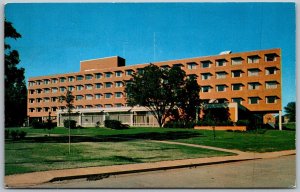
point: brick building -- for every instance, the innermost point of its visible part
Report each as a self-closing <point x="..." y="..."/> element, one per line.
<point x="244" y="81"/>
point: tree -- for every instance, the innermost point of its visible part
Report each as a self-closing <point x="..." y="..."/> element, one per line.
<point x="68" y="99"/>
<point x="159" y="90"/>
<point x="290" y="110"/>
<point x="15" y="86"/>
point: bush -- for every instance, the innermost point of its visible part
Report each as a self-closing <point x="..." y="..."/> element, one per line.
<point x="70" y="123"/>
<point x="179" y="124"/>
<point x="18" y="135"/>
<point x="243" y="123"/>
<point x="38" y="125"/>
<point x="115" y="124"/>
<point x="7" y="134"/>
<point x="209" y="122"/>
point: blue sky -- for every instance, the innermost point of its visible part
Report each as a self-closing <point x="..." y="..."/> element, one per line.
<point x="56" y="37"/>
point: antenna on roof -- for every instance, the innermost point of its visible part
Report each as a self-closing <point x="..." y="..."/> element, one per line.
<point x="225" y="52"/>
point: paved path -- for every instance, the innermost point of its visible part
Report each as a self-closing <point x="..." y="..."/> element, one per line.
<point x="31" y="179"/>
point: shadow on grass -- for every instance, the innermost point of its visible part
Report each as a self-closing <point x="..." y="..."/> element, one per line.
<point x="171" y="135"/>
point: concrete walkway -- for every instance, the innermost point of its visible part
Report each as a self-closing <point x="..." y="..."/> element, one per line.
<point x="31" y="179"/>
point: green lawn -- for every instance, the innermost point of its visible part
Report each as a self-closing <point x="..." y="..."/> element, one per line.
<point x="102" y="146"/>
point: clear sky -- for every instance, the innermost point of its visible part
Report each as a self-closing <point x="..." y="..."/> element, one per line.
<point x="56" y="37"/>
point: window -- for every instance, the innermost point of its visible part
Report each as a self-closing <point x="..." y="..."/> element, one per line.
<point x="140" y="71"/>
<point x="205" y="88"/>
<point x="179" y="65"/>
<point x="118" y="73"/>
<point x="79" y="77"/>
<point x="31" y="100"/>
<point x="31" y="109"/>
<point x="236" y="61"/>
<point x="46" y="109"/>
<point x="108" y="105"/>
<point x="221" y="75"/>
<point x="79" y="97"/>
<point x="47" y="99"/>
<point x="98" y="85"/>
<point x="62" y="89"/>
<point x="79" y="87"/>
<point x="108" y="85"/>
<point x="88" y="106"/>
<point x="253" y="100"/>
<point x="128" y="72"/>
<point x="46" y="90"/>
<point x="62" y="79"/>
<point x="98" y="106"/>
<point x="54" y="81"/>
<point x="271" y="99"/>
<point x="236" y="73"/>
<point x="88" y="77"/>
<point x="71" y="79"/>
<point x="39" y="91"/>
<point x="271" y="70"/>
<point x="98" y="96"/>
<point x="253" y="59"/>
<point x="54" y="109"/>
<point x="221" y="88"/>
<point x="62" y="107"/>
<point x="118" y="94"/>
<point x="38" y="109"/>
<point x="31" y="83"/>
<point x="31" y="92"/>
<point x="118" y="105"/>
<point x="253" y="72"/>
<point x="38" y="82"/>
<point x="88" y="87"/>
<point x="270" y="57"/>
<point x="107" y="95"/>
<point x="191" y="65"/>
<point x="46" y="81"/>
<point x="205" y="64"/>
<point x="53" y="99"/>
<point x="221" y="62"/>
<point x="108" y="75"/>
<point x="98" y="75"/>
<point x="88" y="97"/>
<point x="253" y="86"/>
<point x="205" y="76"/>
<point x="79" y="107"/>
<point x="38" y="100"/>
<point x="71" y="88"/>
<point x="271" y="84"/>
<point x="236" y="87"/>
<point x="119" y="84"/>
<point x="54" y="90"/>
<point x="237" y="100"/>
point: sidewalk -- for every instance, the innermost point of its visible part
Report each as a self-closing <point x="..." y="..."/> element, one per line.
<point x="31" y="179"/>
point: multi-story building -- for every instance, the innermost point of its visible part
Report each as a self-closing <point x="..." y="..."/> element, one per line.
<point x="251" y="80"/>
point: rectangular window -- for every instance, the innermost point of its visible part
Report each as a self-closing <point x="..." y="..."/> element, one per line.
<point x="107" y="75"/>
<point x="71" y="79"/>
<point x="54" y="90"/>
<point x="79" y="77"/>
<point x="62" y="89"/>
<point x="253" y="59"/>
<point x="236" y="87"/>
<point x="271" y="99"/>
<point x="79" y="107"/>
<point x="46" y="99"/>
<point x="220" y="62"/>
<point x="221" y="88"/>
<point x="108" y="105"/>
<point x="253" y="100"/>
<point x="253" y="72"/>
<point x="88" y="97"/>
<point x="62" y="79"/>
<point x="270" y="57"/>
<point x="118" y="73"/>
<point x="38" y="100"/>
<point x="118" y="95"/>
<point x="98" y="75"/>
<point x="128" y="72"/>
<point x="31" y="92"/>
<point x="119" y="84"/>
<point x="118" y="105"/>
<point x="205" y="64"/>
<point x="107" y="95"/>
<point x="98" y="106"/>
<point x="191" y="65"/>
<point x="98" y="96"/>
<point x="38" y="82"/>
<point x="205" y="76"/>
<point x="70" y="88"/>
<point x="54" y="81"/>
<point x="221" y="75"/>
<point x="253" y="86"/>
<point x="108" y="85"/>
<point x="88" y="77"/>
<point x="79" y="97"/>
<point x="53" y="99"/>
<point x="31" y="100"/>
<point x="271" y="71"/>
<point x="205" y="89"/>
<point x="98" y="85"/>
<point x="46" y="81"/>
<point x="236" y="61"/>
<point x="88" y="106"/>
<point x="54" y="109"/>
<point x="236" y="73"/>
<point x="271" y="85"/>
<point x="79" y="87"/>
<point x="237" y="100"/>
<point x="46" y="90"/>
<point x="88" y="87"/>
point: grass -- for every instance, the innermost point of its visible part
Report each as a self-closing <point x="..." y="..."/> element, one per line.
<point x="102" y="146"/>
<point x="25" y="157"/>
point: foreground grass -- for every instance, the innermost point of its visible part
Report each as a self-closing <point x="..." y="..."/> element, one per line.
<point x="271" y="140"/>
<point x="22" y="157"/>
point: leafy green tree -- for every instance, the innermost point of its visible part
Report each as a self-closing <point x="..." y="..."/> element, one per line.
<point x="159" y="90"/>
<point x="290" y="110"/>
<point x="15" y="86"/>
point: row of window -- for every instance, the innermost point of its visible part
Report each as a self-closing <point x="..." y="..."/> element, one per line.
<point x="238" y="73"/>
<point x="79" y="97"/>
<point x="79" y="78"/>
<point x="256" y="100"/>
<point x="240" y="86"/>
<point x="54" y="109"/>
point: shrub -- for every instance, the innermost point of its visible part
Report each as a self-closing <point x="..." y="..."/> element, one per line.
<point x="7" y="134"/>
<point x="22" y="134"/>
<point x="70" y="123"/>
<point x="115" y="124"/>
<point x="210" y="122"/>
<point x="17" y="135"/>
<point x="243" y="123"/>
<point x="179" y="124"/>
<point x="14" y="135"/>
<point x="37" y="125"/>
